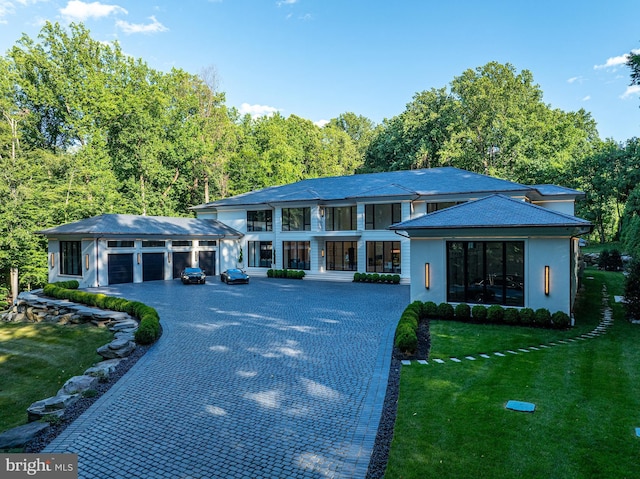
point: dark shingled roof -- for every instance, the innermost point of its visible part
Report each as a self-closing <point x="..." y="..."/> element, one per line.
<point x="408" y="183"/>
<point x="490" y="212"/>
<point x="133" y="225"/>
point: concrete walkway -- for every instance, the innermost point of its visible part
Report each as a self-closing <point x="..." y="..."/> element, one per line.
<point x="275" y="379"/>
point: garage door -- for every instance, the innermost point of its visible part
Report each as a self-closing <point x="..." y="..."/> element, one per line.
<point x="180" y="262"/>
<point x="152" y="266"/>
<point x="207" y="261"/>
<point x="120" y="268"/>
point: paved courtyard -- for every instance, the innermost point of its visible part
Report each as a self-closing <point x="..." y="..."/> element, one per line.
<point x="275" y="379"/>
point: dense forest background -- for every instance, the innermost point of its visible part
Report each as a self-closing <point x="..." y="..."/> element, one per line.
<point x="86" y="130"/>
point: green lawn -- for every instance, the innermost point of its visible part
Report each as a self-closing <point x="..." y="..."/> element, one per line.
<point x="36" y="359"/>
<point x="452" y="422"/>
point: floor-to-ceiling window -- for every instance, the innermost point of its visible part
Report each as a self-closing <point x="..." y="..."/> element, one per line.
<point x="383" y="257"/>
<point x="490" y="272"/>
<point x="71" y="258"/>
<point x="260" y="254"/>
<point x="296" y="254"/>
<point x="342" y="255"/>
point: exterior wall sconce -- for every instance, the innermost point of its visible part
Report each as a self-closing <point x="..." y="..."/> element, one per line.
<point x="169" y="258"/>
<point x="546" y="280"/>
<point x="322" y="211"/>
<point x="427" y="278"/>
<point x="139" y="258"/>
<point x="52" y="259"/>
<point x="322" y="252"/>
<point x="86" y="262"/>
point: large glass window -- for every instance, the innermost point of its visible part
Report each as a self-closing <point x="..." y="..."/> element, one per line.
<point x="71" y="258"/>
<point x="296" y="254"/>
<point x="380" y="217"/>
<point x="296" y="219"/>
<point x="432" y="207"/>
<point x="489" y="272"/>
<point x="342" y="255"/>
<point x="383" y="257"/>
<point x="260" y="254"/>
<point x="261" y="220"/>
<point x="340" y="218"/>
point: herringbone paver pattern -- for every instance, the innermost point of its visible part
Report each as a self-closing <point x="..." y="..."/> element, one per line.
<point x="276" y="379"/>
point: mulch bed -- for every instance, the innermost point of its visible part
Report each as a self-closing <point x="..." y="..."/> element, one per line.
<point x="380" y="454"/>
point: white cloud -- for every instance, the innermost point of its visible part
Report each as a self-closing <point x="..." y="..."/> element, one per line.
<point x="154" y="27"/>
<point x="631" y="91"/>
<point x="321" y="123"/>
<point x="6" y="8"/>
<point x="587" y="98"/>
<point x="286" y="2"/>
<point x="81" y="11"/>
<point x="257" y="110"/>
<point x="615" y="62"/>
<point x="574" y="79"/>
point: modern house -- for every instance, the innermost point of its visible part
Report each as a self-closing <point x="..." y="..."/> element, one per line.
<point x="477" y="238"/>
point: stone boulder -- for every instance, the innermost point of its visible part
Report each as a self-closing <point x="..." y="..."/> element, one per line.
<point x="118" y="348"/>
<point x="54" y="406"/>
<point x="103" y="369"/>
<point x="19" y="436"/>
<point x="78" y="385"/>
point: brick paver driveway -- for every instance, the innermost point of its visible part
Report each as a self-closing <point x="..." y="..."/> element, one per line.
<point x="275" y="379"/>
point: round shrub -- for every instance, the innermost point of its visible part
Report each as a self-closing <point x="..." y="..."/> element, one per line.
<point x="396" y="279"/>
<point x="269" y="273"/>
<point x="445" y="311"/>
<point x="411" y="318"/>
<point x="511" y="316"/>
<point x="418" y="307"/>
<point x="527" y="316"/>
<point x="495" y="313"/>
<point x="430" y="309"/>
<point x="375" y="277"/>
<point x="560" y="320"/>
<point x="542" y="317"/>
<point x="356" y="277"/>
<point x="479" y="313"/>
<point x="463" y="312"/>
<point x="407" y="342"/>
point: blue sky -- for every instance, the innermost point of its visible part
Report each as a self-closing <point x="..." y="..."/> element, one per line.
<point x="319" y="58"/>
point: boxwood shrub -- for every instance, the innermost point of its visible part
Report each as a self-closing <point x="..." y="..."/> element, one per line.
<point x="560" y="320"/>
<point x="445" y="311"/>
<point x="376" y="278"/>
<point x="430" y="309"/>
<point x="526" y="316"/>
<point x="495" y="314"/>
<point x="285" y="273"/>
<point x="512" y="316"/>
<point x="542" y="317"/>
<point x="463" y="312"/>
<point x="149" y="321"/>
<point x="479" y="313"/>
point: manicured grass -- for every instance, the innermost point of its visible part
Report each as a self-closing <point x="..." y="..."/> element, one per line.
<point x="452" y="422"/>
<point x="36" y="359"/>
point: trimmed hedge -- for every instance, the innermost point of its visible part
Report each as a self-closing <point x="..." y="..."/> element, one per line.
<point x="149" y="321"/>
<point x="285" y="273"/>
<point x="479" y="313"/>
<point x="463" y="312"/>
<point x="376" y="278"/>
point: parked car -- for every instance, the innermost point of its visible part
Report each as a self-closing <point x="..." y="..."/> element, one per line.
<point x="232" y="276"/>
<point x="193" y="276"/>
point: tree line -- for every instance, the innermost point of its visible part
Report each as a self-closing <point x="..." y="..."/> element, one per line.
<point x="86" y="129"/>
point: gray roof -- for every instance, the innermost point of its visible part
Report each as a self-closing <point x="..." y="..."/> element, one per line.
<point x="408" y="183"/>
<point x="133" y="225"/>
<point x="555" y="190"/>
<point x="491" y="212"/>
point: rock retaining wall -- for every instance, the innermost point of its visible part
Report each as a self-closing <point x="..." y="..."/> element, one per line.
<point x="32" y="307"/>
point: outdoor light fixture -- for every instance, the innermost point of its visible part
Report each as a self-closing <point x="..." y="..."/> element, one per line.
<point x="86" y="261"/>
<point x="53" y="259"/>
<point x="546" y="280"/>
<point x="427" y="281"/>
<point x="139" y="258"/>
<point x="169" y="258"/>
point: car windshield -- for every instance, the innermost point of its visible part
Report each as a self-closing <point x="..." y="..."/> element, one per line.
<point x="234" y="271"/>
<point x="193" y="270"/>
